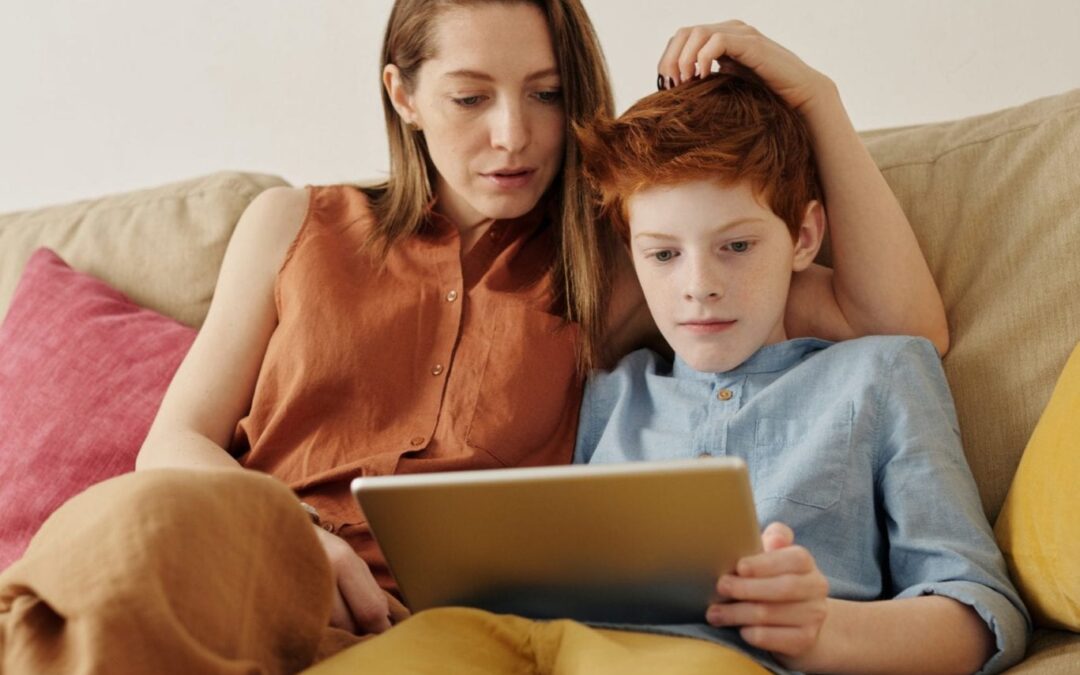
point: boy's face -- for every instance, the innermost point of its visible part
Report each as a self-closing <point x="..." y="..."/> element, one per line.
<point x="715" y="265"/>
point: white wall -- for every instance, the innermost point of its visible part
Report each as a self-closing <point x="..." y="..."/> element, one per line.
<point x="110" y="95"/>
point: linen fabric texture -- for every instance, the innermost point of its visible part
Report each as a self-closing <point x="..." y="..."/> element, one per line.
<point x="423" y="361"/>
<point x="171" y="571"/>
<point x="854" y="445"/>
<point x="82" y="373"/>
<point x="1039" y="527"/>
<point x="993" y="202"/>
<point x="161" y="246"/>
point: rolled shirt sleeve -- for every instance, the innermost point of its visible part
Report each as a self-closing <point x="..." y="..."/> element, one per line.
<point x="939" y="541"/>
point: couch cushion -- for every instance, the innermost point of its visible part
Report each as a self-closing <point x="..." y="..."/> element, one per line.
<point x="1050" y="652"/>
<point x="1038" y="528"/>
<point x="161" y="246"/>
<point x="82" y="373"/>
<point x="994" y="203"/>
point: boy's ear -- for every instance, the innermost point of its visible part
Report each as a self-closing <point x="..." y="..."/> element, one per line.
<point x="810" y="235"/>
<point x="400" y="98"/>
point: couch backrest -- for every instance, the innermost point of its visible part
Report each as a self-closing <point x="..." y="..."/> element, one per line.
<point x="995" y="203"/>
<point x="162" y="246"/>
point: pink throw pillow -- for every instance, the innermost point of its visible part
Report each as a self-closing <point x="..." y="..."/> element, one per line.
<point x="82" y="374"/>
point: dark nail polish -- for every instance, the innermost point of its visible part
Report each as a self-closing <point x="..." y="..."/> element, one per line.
<point x="670" y="83"/>
<point x="659" y="82"/>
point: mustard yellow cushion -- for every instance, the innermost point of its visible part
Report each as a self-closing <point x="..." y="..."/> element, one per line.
<point x="1039" y="526"/>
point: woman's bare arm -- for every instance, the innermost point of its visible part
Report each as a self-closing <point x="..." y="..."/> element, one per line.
<point x="213" y="387"/>
<point x="880" y="283"/>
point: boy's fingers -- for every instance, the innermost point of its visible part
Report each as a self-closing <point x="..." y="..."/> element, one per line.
<point x="787" y="560"/>
<point x="776" y="536"/>
<point x="787" y="614"/>
<point x="781" y="588"/>
<point x="784" y="640"/>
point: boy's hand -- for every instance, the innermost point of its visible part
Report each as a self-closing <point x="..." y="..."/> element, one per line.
<point x="692" y="51"/>
<point x="778" y="597"/>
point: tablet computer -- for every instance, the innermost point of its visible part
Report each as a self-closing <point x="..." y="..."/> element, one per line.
<point x="642" y="542"/>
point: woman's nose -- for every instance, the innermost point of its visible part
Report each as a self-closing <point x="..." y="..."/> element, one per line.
<point x="510" y="128"/>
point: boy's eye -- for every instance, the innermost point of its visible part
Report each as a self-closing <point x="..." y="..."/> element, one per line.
<point x="739" y="246"/>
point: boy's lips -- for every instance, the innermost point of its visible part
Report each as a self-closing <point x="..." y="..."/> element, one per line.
<point x="707" y="326"/>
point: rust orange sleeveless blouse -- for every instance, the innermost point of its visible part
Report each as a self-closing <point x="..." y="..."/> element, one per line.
<point x="426" y="363"/>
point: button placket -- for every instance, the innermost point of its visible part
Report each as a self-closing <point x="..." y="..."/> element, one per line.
<point x="451" y="279"/>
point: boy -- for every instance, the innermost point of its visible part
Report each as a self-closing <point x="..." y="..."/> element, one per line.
<point x="853" y="447"/>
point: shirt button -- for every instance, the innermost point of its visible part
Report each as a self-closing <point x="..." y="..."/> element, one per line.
<point x="437" y="369"/>
<point x="451" y="296"/>
<point x="417" y="440"/>
<point x="724" y="394"/>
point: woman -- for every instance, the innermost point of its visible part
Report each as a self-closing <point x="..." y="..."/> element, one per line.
<point x="440" y="321"/>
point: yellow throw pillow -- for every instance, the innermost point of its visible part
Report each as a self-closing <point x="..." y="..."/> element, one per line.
<point x="1039" y="526"/>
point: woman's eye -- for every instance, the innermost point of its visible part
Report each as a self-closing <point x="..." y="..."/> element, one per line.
<point x="468" y="101"/>
<point x="663" y="255"/>
<point x="550" y="96"/>
<point x="739" y="246"/>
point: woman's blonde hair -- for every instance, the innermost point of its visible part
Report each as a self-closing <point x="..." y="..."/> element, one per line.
<point x="586" y="251"/>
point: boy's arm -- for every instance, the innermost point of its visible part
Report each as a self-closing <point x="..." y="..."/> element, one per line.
<point x="928" y="634"/>
<point x="880" y="283"/>
<point x="953" y="603"/>
<point x="939" y="544"/>
<point x="778" y="602"/>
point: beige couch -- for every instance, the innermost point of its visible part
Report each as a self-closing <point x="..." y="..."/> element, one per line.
<point x="994" y="200"/>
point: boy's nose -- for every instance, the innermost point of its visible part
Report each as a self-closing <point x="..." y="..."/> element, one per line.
<point x="702" y="295"/>
<point x="703" y="288"/>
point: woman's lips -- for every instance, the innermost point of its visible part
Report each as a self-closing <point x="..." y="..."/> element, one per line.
<point x="511" y="179"/>
<point x="706" y="327"/>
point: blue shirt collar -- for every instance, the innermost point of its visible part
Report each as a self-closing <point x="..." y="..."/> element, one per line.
<point x="769" y="359"/>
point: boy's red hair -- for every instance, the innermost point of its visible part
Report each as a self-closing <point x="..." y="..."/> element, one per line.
<point x="728" y="128"/>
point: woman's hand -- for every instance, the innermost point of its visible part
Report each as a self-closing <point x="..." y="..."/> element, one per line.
<point x="777" y="597"/>
<point x="360" y="605"/>
<point x="693" y="50"/>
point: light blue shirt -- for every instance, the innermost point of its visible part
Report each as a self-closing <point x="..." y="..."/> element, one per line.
<point x="855" y="445"/>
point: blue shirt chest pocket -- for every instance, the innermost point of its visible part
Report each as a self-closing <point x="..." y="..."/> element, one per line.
<point x="803" y="460"/>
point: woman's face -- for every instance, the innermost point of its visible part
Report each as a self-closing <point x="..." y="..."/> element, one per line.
<point x="489" y="104"/>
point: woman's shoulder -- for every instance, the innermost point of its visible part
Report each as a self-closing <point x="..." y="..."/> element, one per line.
<point x="271" y="221"/>
<point x="275" y="218"/>
<point x="340" y="203"/>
